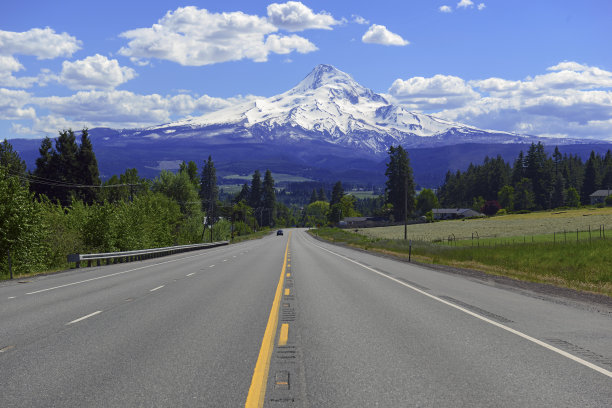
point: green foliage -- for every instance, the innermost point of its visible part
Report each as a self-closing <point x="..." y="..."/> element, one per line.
<point x="573" y="198"/>
<point x="608" y="201"/>
<point x="316" y="214"/>
<point x="426" y="201"/>
<point x="21" y="229"/>
<point x="506" y="197"/>
<point x="269" y="199"/>
<point x="10" y="160"/>
<point x="400" y="184"/>
<point x="255" y="194"/>
<point x="209" y="192"/>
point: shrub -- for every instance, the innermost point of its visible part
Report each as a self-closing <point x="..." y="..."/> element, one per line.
<point x="490" y="207"/>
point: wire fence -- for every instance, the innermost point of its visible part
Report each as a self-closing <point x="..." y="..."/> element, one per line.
<point x="567" y="236"/>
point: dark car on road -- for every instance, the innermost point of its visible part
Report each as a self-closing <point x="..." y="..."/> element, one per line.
<point x="279" y="232"/>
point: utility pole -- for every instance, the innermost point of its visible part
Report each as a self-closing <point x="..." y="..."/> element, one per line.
<point x="405" y="206"/>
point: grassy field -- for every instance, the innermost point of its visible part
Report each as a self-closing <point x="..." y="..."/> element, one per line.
<point x="540" y="247"/>
<point x="278" y="177"/>
<point x="521" y="227"/>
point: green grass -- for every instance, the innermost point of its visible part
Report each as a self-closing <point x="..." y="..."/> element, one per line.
<point x="580" y="265"/>
<point x="278" y="178"/>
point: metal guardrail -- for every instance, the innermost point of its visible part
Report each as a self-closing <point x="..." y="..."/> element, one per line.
<point x="138" y="255"/>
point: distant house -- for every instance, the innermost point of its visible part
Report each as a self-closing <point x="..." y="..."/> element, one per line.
<point x="367" y="222"/>
<point x="599" y="196"/>
<point x="454" y="213"/>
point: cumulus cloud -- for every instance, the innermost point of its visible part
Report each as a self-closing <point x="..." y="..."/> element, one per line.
<point x="197" y="37"/>
<point x="13" y="105"/>
<point x="465" y="4"/>
<point x="42" y="43"/>
<point x="481" y="6"/>
<point x="445" y="9"/>
<point x="95" y="72"/>
<point x="439" y="91"/>
<point x="378" y="34"/>
<point x="295" y="16"/>
<point x="570" y="100"/>
<point x="103" y="108"/>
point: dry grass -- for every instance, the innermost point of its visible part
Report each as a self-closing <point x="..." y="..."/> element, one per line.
<point x="513" y="225"/>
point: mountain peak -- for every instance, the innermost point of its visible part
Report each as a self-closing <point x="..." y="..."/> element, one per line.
<point x="323" y="75"/>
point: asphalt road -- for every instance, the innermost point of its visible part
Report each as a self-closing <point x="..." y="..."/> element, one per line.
<point x="345" y="329"/>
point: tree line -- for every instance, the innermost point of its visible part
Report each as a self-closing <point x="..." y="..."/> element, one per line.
<point x="535" y="181"/>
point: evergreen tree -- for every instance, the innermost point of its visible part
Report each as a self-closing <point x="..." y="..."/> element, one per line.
<point x="518" y="171"/>
<point x="88" y="173"/>
<point x="337" y="193"/>
<point x="572" y="197"/>
<point x="243" y="194"/>
<point x="209" y="192"/>
<point x="191" y="169"/>
<point x="400" y="184"/>
<point x="43" y="168"/>
<point x="523" y="195"/>
<point x="558" y="192"/>
<point x="321" y="195"/>
<point x="268" y="199"/>
<point x="10" y="160"/>
<point x="506" y="197"/>
<point x="591" y="181"/>
<point x="538" y="170"/>
<point x="313" y="196"/>
<point x="256" y="191"/>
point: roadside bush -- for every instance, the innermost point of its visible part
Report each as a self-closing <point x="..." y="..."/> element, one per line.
<point x="608" y="201"/>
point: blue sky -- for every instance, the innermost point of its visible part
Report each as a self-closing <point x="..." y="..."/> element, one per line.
<point x="539" y="67"/>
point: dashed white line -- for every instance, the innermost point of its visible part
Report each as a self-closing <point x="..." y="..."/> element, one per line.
<point x="84" y="317"/>
<point x="225" y="260"/>
<point x="211" y="266"/>
<point x="12" y="297"/>
<point x="157" y="288"/>
<point x="190" y="274"/>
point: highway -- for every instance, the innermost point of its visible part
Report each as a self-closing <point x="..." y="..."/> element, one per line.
<point x="290" y="321"/>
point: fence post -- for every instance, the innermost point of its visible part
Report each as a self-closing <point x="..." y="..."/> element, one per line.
<point x="10" y="263"/>
<point x="589" y="232"/>
<point x="409" y="250"/>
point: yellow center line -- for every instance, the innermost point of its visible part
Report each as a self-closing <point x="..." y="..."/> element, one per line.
<point x="287" y="291"/>
<point x="284" y="334"/>
<point x="257" y="390"/>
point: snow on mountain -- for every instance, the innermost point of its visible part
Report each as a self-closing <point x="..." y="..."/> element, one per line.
<point x="329" y="106"/>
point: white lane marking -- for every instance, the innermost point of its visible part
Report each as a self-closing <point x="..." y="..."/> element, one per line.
<point x="113" y="274"/>
<point x="211" y="266"/>
<point x="84" y="317"/>
<point x="494" y="323"/>
<point x="12" y="297"/>
<point x="157" y="288"/>
<point x="225" y="260"/>
<point x="189" y="274"/>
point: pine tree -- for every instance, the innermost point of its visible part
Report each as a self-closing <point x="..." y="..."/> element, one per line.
<point x="313" y="196"/>
<point x="10" y="160"/>
<point x="591" y="179"/>
<point x="337" y="193"/>
<point x="209" y="192"/>
<point x="268" y="199"/>
<point x="321" y="195"/>
<point x="400" y="184"/>
<point x="256" y="193"/>
<point x="243" y="194"/>
<point x="88" y="173"/>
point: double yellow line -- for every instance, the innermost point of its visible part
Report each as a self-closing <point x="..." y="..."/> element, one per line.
<point x="257" y="391"/>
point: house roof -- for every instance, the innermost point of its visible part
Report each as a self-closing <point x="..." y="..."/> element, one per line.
<point x="601" y="193"/>
<point x="450" y="210"/>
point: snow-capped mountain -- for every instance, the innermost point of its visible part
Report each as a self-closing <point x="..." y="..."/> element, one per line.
<point x="329" y="106"/>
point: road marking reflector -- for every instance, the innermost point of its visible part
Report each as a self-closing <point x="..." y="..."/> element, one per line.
<point x="284" y="334"/>
<point x="84" y="317"/>
<point x="476" y="315"/>
<point x="157" y="288"/>
<point x="288" y="274"/>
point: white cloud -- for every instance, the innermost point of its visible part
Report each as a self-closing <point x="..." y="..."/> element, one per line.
<point x="359" y="20"/>
<point x="378" y="34"/>
<point x="196" y="37"/>
<point x="465" y="4"/>
<point x="42" y="43"/>
<point x="574" y="100"/>
<point x="481" y="6"/>
<point x="437" y="92"/>
<point x="13" y="105"/>
<point x="95" y="72"/>
<point x="445" y="9"/>
<point x="295" y="16"/>
<point x="285" y="45"/>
